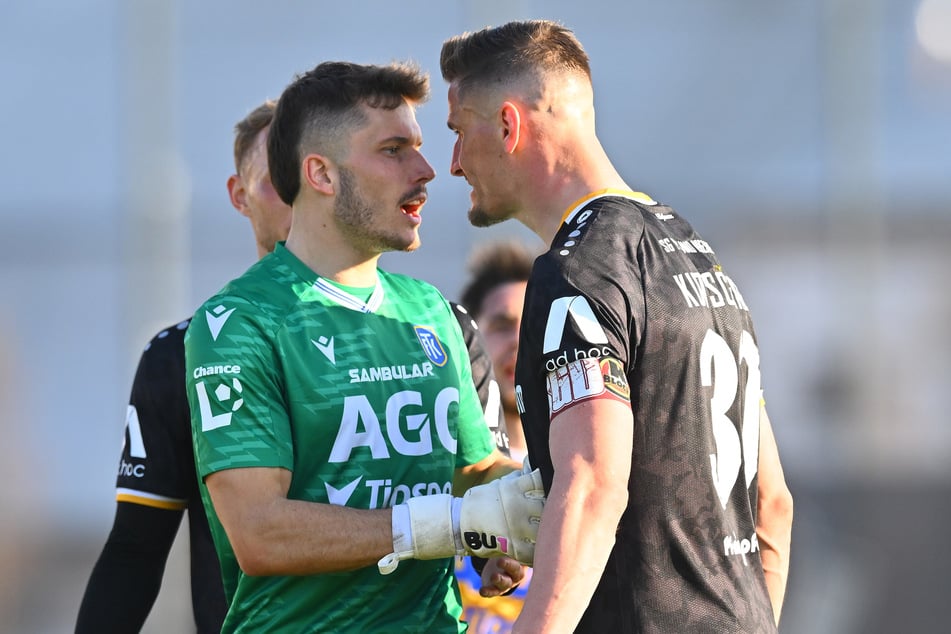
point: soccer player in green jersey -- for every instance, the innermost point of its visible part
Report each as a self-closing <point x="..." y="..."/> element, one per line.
<point x="333" y="411"/>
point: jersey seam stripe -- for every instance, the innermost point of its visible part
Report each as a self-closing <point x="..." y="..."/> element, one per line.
<point x="150" y="499"/>
<point x="576" y="206"/>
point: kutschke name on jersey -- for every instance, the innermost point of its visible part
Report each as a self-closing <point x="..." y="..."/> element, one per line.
<point x="709" y="289"/>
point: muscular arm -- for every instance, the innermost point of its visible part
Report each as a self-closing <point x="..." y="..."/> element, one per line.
<point x="273" y="535"/>
<point x="591" y="452"/>
<point x="128" y="574"/>
<point x="774" y="515"/>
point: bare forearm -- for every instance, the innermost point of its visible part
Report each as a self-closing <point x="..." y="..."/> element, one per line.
<point x="774" y="532"/>
<point x="293" y="537"/>
<point x="774" y="516"/>
<point x="494" y="466"/>
<point x="274" y="535"/>
<point x="575" y="540"/>
<point x="591" y="445"/>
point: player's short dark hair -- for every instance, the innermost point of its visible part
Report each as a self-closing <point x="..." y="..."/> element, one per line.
<point x="320" y="108"/>
<point x="247" y="130"/>
<point x="492" y="265"/>
<point x="498" y="54"/>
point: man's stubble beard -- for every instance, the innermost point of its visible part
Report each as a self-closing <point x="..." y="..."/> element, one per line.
<point x="479" y="217"/>
<point x="356" y="218"/>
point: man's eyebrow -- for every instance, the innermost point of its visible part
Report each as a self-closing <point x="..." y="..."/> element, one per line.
<point x="398" y="140"/>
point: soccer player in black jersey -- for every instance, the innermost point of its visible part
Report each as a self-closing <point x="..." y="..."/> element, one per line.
<point x="157" y="481"/>
<point x="638" y="376"/>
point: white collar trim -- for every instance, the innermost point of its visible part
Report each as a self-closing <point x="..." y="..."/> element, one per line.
<point x="339" y="296"/>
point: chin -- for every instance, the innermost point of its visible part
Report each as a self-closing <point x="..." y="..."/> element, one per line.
<point x="479" y="217"/>
<point x="410" y="244"/>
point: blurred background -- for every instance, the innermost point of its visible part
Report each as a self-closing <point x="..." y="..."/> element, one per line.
<point x="809" y="141"/>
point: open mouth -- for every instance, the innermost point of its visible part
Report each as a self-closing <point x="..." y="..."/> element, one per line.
<point x="411" y="207"/>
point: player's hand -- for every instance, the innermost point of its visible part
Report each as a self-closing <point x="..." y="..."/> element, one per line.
<point x="501" y="575"/>
<point x="502" y="516"/>
<point x="497" y="518"/>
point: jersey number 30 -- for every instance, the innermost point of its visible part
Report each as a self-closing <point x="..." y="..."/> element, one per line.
<point x="719" y="369"/>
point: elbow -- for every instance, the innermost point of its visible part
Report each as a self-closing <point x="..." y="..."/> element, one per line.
<point x="257" y="560"/>
<point x="257" y="550"/>
<point x="612" y="498"/>
<point x="777" y="505"/>
<point x="617" y="501"/>
<point x="252" y="563"/>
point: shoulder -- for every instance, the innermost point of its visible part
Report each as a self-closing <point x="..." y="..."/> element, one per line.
<point x="606" y="220"/>
<point x="411" y="285"/>
<point x="466" y="322"/>
<point x="161" y="363"/>
<point x="420" y="299"/>
<point x="168" y="341"/>
<point x="255" y="302"/>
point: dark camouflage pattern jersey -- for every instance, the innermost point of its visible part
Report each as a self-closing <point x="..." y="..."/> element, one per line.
<point x="628" y="278"/>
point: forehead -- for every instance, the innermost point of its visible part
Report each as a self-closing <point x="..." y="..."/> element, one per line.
<point x="475" y="102"/>
<point x="382" y="124"/>
<point x="504" y="298"/>
<point x="256" y="155"/>
<point x="459" y="106"/>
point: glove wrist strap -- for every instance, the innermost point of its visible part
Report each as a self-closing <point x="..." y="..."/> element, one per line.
<point x="402" y="529"/>
<point x="456" y="513"/>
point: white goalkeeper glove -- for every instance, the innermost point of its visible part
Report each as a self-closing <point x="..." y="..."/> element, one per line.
<point x="497" y="518"/>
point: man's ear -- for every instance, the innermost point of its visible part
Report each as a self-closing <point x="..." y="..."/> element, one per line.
<point x="511" y="126"/>
<point x="238" y="194"/>
<point x="318" y="173"/>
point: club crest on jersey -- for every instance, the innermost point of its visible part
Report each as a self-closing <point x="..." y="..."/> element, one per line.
<point x="431" y="345"/>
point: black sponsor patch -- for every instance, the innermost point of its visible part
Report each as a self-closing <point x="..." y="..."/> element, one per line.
<point x="614" y="379"/>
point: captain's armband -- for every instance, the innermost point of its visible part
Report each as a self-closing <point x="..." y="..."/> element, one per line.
<point x="585" y="379"/>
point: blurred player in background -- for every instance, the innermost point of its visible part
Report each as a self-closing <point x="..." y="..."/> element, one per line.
<point x="333" y="409"/>
<point x="157" y="480"/>
<point x="494" y="296"/>
<point x="638" y="378"/>
<point x="496" y="292"/>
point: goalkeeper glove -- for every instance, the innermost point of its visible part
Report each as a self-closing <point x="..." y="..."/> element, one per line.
<point x="497" y="518"/>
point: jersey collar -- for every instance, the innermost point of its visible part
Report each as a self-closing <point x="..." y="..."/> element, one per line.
<point x="579" y="204"/>
<point x="341" y="297"/>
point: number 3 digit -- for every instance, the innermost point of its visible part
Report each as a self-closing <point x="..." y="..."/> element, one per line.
<point x="719" y="369"/>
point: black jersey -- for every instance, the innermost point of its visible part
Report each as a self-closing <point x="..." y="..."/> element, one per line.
<point x="630" y="279"/>
<point x="483" y="377"/>
<point x="157" y="467"/>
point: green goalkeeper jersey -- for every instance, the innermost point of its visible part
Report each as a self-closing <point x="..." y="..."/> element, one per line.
<point x="367" y="399"/>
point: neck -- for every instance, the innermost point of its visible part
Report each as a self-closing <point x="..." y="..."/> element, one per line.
<point x="329" y="254"/>
<point x="566" y="177"/>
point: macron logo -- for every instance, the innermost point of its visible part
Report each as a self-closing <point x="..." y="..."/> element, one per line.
<point x="216" y="320"/>
<point x="340" y="497"/>
<point x="582" y="316"/>
<point x="326" y="346"/>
